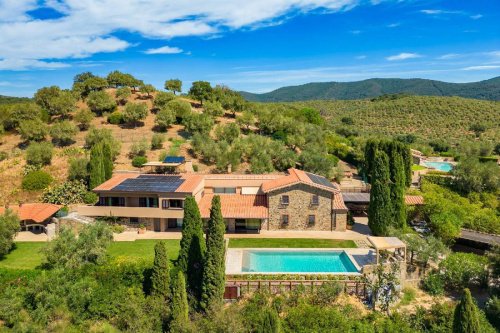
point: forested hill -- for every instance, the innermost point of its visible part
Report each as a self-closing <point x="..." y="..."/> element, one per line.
<point x="488" y="90"/>
<point x="10" y="100"/>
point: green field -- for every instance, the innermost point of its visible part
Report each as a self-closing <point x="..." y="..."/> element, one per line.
<point x="28" y="255"/>
<point x="416" y="167"/>
<point x="290" y="243"/>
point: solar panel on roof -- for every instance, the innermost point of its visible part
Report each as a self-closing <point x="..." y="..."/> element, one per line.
<point x="145" y="183"/>
<point x="174" y="159"/>
<point x="320" y="180"/>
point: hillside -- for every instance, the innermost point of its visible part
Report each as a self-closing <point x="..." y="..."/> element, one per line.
<point x="10" y="99"/>
<point x="487" y="90"/>
<point x="429" y="118"/>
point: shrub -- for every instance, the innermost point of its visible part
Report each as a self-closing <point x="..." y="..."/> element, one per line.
<point x="36" y="180"/>
<point x="213" y="109"/>
<point x="3" y="155"/>
<point x="83" y="117"/>
<point x="135" y="112"/>
<point x="67" y="193"/>
<point x="139" y="148"/>
<point x="63" y="132"/>
<point x="461" y="269"/>
<point x="198" y="123"/>
<point x="28" y="168"/>
<point x="180" y="108"/>
<point x="409" y="295"/>
<point x="95" y="136"/>
<point x="117" y="228"/>
<point x="39" y="153"/>
<point x="326" y="294"/>
<point x="164" y="118"/>
<point x="195" y="167"/>
<point x="492" y="311"/>
<point x="162" y="98"/>
<point x="115" y="118"/>
<point x="157" y="141"/>
<point x="100" y="102"/>
<point x="33" y="130"/>
<point x="138" y="161"/>
<point x="122" y="94"/>
<point x="78" y="169"/>
<point x="90" y="198"/>
<point x="433" y="284"/>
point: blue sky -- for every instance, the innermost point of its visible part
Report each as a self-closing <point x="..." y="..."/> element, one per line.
<point x="256" y="45"/>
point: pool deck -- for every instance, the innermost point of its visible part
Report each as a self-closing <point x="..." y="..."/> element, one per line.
<point x="358" y="256"/>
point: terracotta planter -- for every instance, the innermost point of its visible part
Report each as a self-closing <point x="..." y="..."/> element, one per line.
<point x="349" y="227"/>
<point x="141" y="230"/>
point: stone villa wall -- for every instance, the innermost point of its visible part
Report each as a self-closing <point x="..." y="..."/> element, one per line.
<point x="299" y="209"/>
<point x="340" y="221"/>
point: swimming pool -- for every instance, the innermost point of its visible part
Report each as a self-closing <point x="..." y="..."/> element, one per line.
<point x="282" y="261"/>
<point x="441" y="166"/>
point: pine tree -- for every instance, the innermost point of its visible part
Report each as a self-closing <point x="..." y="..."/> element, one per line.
<point x="270" y="322"/>
<point x="193" y="247"/>
<point x="179" y="307"/>
<point x="466" y="318"/>
<point x="398" y="181"/>
<point x="214" y="269"/>
<point x="107" y="160"/>
<point x="380" y="208"/>
<point x="160" y="276"/>
<point x="96" y="167"/>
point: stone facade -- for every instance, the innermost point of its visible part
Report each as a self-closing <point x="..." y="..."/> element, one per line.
<point x="340" y="220"/>
<point x="299" y="209"/>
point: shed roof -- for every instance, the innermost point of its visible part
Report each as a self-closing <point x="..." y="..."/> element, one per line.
<point x="385" y="243"/>
<point x="37" y="212"/>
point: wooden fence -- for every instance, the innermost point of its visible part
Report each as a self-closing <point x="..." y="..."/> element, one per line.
<point x="237" y="288"/>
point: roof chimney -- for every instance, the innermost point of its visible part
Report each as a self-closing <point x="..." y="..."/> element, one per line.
<point x="229" y="168"/>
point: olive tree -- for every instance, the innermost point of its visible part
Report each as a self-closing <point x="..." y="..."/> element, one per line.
<point x="135" y="112"/>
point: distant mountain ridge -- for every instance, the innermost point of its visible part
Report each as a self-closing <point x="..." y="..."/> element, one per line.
<point x="487" y="90"/>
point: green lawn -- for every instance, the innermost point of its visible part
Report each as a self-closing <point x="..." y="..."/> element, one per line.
<point x="290" y="242"/>
<point x="416" y="167"/>
<point x="28" y="255"/>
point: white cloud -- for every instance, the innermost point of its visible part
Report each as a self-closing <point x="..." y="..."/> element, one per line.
<point x="403" y="56"/>
<point x="449" y="56"/>
<point x="87" y="26"/>
<point x="361" y="57"/>
<point x="393" y="25"/>
<point x="480" y="68"/>
<point x="476" y="17"/>
<point x="20" y="64"/>
<point x="355" y="32"/>
<point x="164" y="50"/>
<point x="439" y="11"/>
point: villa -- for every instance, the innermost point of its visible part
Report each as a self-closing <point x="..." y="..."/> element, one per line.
<point x="298" y="200"/>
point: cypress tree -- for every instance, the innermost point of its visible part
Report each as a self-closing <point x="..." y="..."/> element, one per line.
<point x="370" y="149"/>
<point x="214" y="269"/>
<point x="193" y="247"/>
<point x="107" y="160"/>
<point x="380" y="209"/>
<point x="270" y="322"/>
<point x="96" y="167"/>
<point x="398" y="180"/>
<point x="179" y="305"/>
<point x="466" y="317"/>
<point x="160" y="276"/>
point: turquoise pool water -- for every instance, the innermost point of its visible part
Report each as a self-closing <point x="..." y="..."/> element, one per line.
<point x="441" y="166"/>
<point x="264" y="261"/>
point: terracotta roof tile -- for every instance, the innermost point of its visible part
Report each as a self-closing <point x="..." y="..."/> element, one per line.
<point x="191" y="182"/>
<point x="115" y="180"/>
<point x="338" y="202"/>
<point x="37" y="212"/>
<point x="294" y="176"/>
<point x="236" y="206"/>
<point x="414" y="200"/>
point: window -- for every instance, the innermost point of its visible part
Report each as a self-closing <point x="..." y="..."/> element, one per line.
<point x="225" y="190"/>
<point x="148" y="202"/>
<point x="285" y="199"/>
<point x="112" y="201"/>
<point x="176" y="203"/>
<point x="164" y="204"/>
<point x="315" y="200"/>
<point x="284" y="219"/>
<point x="134" y="220"/>
<point x="312" y="219"/>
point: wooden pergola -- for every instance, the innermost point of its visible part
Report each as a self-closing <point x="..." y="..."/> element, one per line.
<point x="390" y="244"/>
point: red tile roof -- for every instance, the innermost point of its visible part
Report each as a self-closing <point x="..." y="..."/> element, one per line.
<point x="414" y="200"/>
<point x="236" y="206"/>
<point x="37" y="212"/>
<point x="115" y="180"/>
<point x="191" y="182"/>
<point x="338" y="202"/>
<point x="295" y="176"/>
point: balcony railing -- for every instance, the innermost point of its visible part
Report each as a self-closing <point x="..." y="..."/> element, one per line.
<point x="147" y="212"/>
